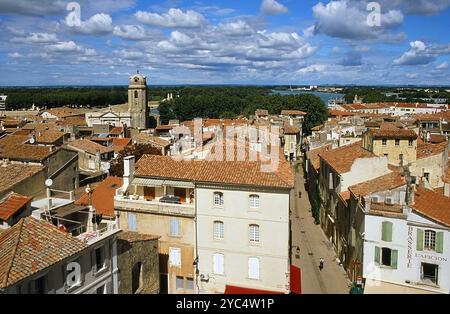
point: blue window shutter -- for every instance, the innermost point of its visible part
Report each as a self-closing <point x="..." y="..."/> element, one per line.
<point x="132" y="222"/>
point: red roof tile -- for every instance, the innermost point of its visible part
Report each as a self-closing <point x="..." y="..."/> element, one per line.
<point x="387" y="182"/>
<point x="103" y="196"/>
<point x="341" y="159"/>
<point x="432" y="205"/>
<point x="31" y="246"/>
<point x="10" y="205"/>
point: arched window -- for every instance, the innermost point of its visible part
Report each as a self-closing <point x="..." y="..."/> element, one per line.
<point x="136" y="94"/>
<point x="219" y="231"/>
<point x="218" y="198"/>
<point x="429" y="242"/>
<point x="254" y="201"/>
<point x="253" y="233"/>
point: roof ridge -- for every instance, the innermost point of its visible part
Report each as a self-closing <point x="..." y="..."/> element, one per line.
<point x="13" y="253"/>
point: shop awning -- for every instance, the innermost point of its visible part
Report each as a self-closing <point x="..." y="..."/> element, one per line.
<point x="147" y="182"/>
<point x="241" y="290"/>
<point x="179" y="184"/>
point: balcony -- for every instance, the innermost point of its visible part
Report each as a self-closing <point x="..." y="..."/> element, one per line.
<point x="101" y="233"/>
<point x="138" y="203"/>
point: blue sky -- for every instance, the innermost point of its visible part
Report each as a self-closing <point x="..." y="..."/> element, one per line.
<point x="224" y="42"/>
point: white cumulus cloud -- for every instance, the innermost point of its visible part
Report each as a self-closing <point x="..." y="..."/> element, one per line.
<point x="272" y="7"/>
<point x="174" y="18"/>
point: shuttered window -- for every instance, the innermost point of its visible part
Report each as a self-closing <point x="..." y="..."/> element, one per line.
<point x="218" y="264"/>
<point x="377" y="255"/>
<point x="386" y="231"/>
<point x="175" y="256"/>
<point x="440" y="242"/>
<point x="174" y="227"/>
<point x="253" y="268"/>
<point x="132" y="222"/>
<point x="394" y="259"/>
<point x="420" y="236"/>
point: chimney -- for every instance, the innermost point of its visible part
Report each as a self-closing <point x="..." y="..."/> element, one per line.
<point x="128" y="171"/>
<point x="410" y="187"/>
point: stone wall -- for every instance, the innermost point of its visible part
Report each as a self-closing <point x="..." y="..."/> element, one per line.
<point x="133" y="249"/>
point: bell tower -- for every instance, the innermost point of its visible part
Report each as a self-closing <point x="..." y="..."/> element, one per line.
<point x="137" y="101"/>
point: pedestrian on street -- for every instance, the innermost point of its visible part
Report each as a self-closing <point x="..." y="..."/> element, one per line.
<point x="321" y="261"/>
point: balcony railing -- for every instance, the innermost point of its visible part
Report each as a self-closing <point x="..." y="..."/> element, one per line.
<point x="96" y="235"/>
<point x="128" y="203"/>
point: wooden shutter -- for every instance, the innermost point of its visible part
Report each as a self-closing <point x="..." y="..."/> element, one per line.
<point x="132" y="222"/>
<point x="394" y="259"/>
<point x="439" y="242"/>
<point x="149" y="193"/>
<point x="377" y="255"/>
<point x="386" y="231"/>
<point x="419" y="245"/>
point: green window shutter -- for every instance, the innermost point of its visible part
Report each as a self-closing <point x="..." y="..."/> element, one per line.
<point x="377" y="255"/>
<point x="439" y="242"/>
<point x="386" y="231"/>
<point x="394" y="258"/>
<point x="419" y="240"/>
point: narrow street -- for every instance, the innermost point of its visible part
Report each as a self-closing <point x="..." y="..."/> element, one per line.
<point x="309" y="244"/>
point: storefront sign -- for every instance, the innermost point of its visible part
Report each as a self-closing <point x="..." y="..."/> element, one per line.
<point x="431" y="257"/>
<point x="410" y="245"/>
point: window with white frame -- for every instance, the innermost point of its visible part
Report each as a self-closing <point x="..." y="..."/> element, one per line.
<point x="218" y="230"/>
<point x="218" y="198"/>
<point x="253" y="267"/>
<point x="254" y="201"/>
<point x="253" y="233"/>
<point x="218" y="264"/>
<point x="430" y="240"/>
<point x="175" y="256"/>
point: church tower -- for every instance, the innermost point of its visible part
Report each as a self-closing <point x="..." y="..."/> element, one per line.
<point x="137" y="101"/>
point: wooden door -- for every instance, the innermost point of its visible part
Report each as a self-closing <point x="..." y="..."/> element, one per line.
<point x="149" y="193"/>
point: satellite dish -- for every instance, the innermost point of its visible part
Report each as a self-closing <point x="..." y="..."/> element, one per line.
<point x="48" y="182"/>
<point x="32" y="140"/>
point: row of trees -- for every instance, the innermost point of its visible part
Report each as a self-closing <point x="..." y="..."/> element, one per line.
<point x="371" y="95"/>
<point x="230" y="102"/>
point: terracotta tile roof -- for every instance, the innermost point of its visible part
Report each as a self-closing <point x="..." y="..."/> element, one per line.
<point x="75" y="120"/>
<point x="393" y="133"/>
<point x="340" y="113"/>
<point x="262" y="112"/>
<point x="226" y="172"/>
<point x="31" y="246"/>
<point x="116" y="130"/>
<point x="164" y="127"/>
<point x="317" y="128"/>
<point x="103" y="196"/>
<point x="13" y="174"/>
<point x="14" y="139"/>
<point x="64" y="112"/>
<point x="432" y="205"/>
<point x="291" y="129"/>
<point x="425" y="150"/>
<point x="143" y="138"/>
<point x="11" y="204"/>
<point x="437" y="138"/>
<point x="341" y="159"/>
<point x="89" y="146"/>
<point x="49" y="126"/>
<point x="49" y="137"/>
<point x="313" y="155"/>
<point x="293" y="113"/>
<point x="120" y="143"/>
<point x="387" y="182"/>
<point x="345" y="196"/>
<point x="131" y="236"/>
<point x="27" y="152"/>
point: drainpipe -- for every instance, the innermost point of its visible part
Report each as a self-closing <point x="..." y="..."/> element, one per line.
<point x="196" y="261"/>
